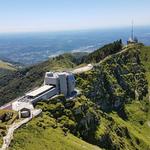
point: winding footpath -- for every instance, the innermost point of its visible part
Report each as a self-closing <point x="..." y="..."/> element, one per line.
<point x="7" y="139"/>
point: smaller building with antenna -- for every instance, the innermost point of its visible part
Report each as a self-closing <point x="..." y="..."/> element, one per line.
<point x="132" y="39"/>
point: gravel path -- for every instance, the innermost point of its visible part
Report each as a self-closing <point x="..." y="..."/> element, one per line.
<point x="7" y="139"/>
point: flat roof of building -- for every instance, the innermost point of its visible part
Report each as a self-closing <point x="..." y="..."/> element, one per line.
<point x="39" y="90"/>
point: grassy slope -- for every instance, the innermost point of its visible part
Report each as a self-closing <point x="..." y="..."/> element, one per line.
<point x="145" y="57"/>
<point x="31" y="137"/>
<point x="137" y="125"/>
<point x="135" y="131"/>
<point x="7" y="66"/>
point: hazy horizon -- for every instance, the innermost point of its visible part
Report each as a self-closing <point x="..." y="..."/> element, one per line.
<point x="75" y="30"/>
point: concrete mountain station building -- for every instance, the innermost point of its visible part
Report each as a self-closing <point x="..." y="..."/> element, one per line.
<point x="54" y="84"/>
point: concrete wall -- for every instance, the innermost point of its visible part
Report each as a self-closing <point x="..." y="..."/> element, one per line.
<point x="51" y="81"/>
<point x="51" y="93"/>
<point x="63" y="84"/>
<point x="71" y="84"/>
<point x="46" y="95"/>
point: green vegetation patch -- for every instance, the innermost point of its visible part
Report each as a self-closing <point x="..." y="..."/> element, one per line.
<point x="52" y="130"/>
<point x="7" y="117"/>
<point x="78" y="116"/>
<point x="133" y="133"/>
<point x="31" y="137"/>
<point x="7" y="66"/>
<point x="103" y="52"/>
<point x="116" y="80"/>
<point x="145" y="58"/>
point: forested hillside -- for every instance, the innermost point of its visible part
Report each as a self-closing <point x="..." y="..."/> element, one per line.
<point x="103" y="52"/>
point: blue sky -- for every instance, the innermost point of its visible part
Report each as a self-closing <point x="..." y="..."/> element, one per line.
<point x="55" y="15"/>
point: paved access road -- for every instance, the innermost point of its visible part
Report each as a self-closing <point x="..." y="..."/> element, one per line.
<point x="82" y="69"/>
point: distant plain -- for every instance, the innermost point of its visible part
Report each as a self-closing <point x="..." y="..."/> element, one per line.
<point x="32" y="48"/>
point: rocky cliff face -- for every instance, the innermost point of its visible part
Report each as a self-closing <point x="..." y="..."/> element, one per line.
<point x="116" y="80"/>
<point x="78" y="116"/>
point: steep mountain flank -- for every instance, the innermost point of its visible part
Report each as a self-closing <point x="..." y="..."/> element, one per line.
<point x="33" y="137"/>
<point x="119" y="87"/>
<point x="78" y="116"/>
<point x="116" y="80"/>
<point x="115" y="132"/>
<point x="145" y="57"/>
<point x="59" y="118"/>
